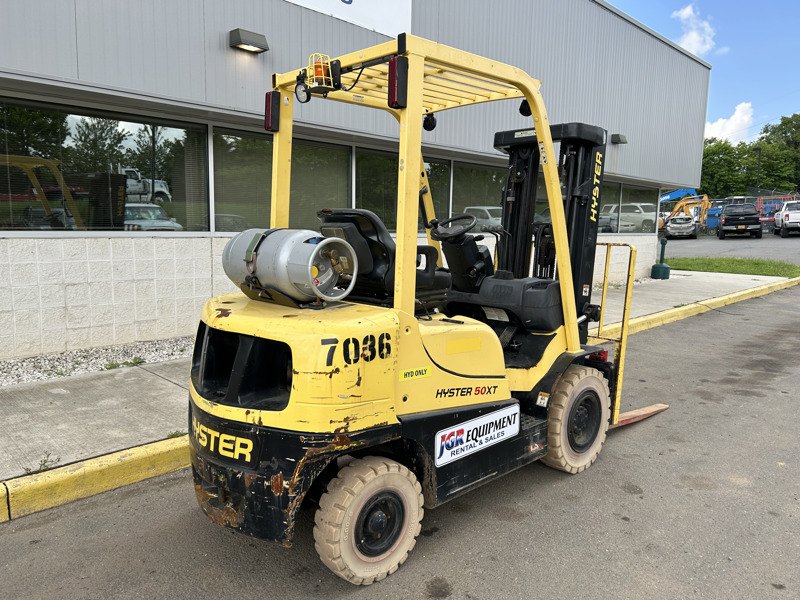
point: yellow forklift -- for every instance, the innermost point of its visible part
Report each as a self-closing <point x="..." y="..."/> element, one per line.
<point x="357" y="372"/>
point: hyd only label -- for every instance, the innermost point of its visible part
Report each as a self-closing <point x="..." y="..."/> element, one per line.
<point x="467" y="438"/>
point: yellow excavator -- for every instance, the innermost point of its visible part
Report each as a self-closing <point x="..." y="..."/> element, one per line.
<point x="687" y="206"/>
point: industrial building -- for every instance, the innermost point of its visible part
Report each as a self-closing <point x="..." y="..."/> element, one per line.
<point x="133" y="140"/>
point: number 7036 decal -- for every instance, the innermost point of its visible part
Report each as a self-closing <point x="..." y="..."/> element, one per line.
<point x="368" y="348"/>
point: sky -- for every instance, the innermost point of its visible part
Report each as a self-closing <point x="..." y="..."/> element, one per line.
<point x="753" y="49"/>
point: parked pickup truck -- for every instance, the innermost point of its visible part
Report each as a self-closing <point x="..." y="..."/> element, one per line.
<point x="739" y="218"/>
<point x="787" y="219"/>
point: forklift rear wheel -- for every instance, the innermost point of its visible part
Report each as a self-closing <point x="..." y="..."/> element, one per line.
<point x="578" y="420"/>
<point x="368" y="519"/>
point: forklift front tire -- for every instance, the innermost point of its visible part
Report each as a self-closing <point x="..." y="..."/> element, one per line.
<point x="368" y="519"/>
<point x="578" y="420"/>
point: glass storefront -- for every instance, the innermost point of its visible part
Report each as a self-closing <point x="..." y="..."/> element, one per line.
<point x="628" y="209"/>
<point x="242" y="175"/>
<point x="70" y="171"/>
<point x="83" y="171"/>
<point x="476" y="185"/>
<point x="320" y="179"/>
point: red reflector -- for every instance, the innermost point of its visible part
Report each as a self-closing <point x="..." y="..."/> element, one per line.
<point x="602" y="355"/>
<point x="398" y="82"/>
<point x="272" y="111"/>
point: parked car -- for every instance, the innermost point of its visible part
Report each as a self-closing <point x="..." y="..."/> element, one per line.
<point x="486" y="215"/>
<point x="229" y="222"/>
<point x="619" y="218"/>
<point x="149" y="217"/>
<point x="610" y="222"/>
<point x="738" y="219"/>
<point x="681" y="226"/>
<point x="35" y="217"/>
<point x="787" y="219"/>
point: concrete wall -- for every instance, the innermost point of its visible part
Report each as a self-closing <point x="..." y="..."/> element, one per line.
<point x="67" y="294"/>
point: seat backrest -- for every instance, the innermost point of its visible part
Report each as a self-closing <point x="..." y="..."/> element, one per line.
<point x="370" y="240"/>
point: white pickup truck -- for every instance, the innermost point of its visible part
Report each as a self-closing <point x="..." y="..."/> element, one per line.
<point x="787" y="219"/>
<point x="138" y="188"/>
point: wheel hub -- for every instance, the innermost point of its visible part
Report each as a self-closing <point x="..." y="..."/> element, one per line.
<point x="584" y="422"/>
<point x="379" y="524"/>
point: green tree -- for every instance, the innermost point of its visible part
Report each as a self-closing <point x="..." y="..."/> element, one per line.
<point x="777" y="167"/>
<point x="30" y="132"/>
<point x="150" y="152"/>
<point x="98" y="145"/>
<point x="785" y="136"/>
<point x="723" y="172"/>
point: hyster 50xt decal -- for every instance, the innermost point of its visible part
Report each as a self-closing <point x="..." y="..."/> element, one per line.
<point x="466" y="438"/>
<point x="478" y="390"/>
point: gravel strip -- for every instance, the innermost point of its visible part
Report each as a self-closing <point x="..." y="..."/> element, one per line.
<point x="62" y="364"/>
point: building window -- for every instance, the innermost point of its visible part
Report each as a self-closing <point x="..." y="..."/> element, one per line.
<point x="70" y="171"/>
<point x="608" y="221"/>
<point x="475" y="185"/>
<point x="320" y="179"/>
<point x="639" y="209"/>
<point x="376" y="184"/>
<point x="242" y="176"/>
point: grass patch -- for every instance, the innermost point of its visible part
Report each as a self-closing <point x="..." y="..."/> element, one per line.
<point x="176" y="434"/>
<point x="45" y="464"/>
<point x="742" y="266"/>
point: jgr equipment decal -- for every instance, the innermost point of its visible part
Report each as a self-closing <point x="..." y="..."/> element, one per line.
<point x="466" y="438"/>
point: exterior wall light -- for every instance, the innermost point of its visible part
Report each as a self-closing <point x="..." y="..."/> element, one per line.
<point x="248" y="41"/>
<point x="618" y="138"/>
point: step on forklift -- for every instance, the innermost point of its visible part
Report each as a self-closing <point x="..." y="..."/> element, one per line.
<point x="356" y="373"/>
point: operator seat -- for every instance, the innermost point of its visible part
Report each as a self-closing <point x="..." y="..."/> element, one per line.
<point x="375" y="250"/>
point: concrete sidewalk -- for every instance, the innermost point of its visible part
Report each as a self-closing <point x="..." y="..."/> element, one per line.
<point x="130" y="411"/>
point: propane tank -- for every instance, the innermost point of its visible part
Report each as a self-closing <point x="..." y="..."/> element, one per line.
<point x="298" y="263"/>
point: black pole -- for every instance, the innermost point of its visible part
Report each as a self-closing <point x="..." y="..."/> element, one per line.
<point x="758" y="171"/>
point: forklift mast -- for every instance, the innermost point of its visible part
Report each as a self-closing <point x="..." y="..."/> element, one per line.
<point x="580" y="166"/>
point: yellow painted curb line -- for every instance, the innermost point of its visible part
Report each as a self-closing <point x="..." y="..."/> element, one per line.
<point x="690" y="310"/>
<point x="32" y="493"/>
<point x="4" y="516"/>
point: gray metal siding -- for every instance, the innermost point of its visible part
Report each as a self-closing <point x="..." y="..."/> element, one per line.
<point x="38" y="37"/>
<point x="595" y="65"/>
<point x="154" y="48"/>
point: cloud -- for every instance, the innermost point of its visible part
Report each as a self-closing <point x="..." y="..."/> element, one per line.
<point x="698" y="35"/>
<point x="735" y="128"/>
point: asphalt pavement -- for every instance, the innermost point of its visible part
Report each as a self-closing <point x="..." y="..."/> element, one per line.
<point x="701" y="501"/>
<point x="98" y="431"/>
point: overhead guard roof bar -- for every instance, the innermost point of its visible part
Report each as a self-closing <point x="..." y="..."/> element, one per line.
<point x="445" y="85"/>
<point x="451" y="78"/>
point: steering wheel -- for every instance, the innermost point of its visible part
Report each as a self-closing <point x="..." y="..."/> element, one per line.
<point x="451" y="234"/>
